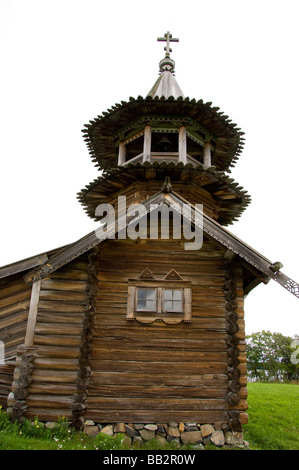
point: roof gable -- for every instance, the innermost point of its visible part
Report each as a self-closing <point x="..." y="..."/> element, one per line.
<point x="262" y="268"/>
<point x="175" y="201"/>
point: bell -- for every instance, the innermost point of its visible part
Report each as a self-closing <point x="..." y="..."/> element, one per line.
<point x="164" y="144"/>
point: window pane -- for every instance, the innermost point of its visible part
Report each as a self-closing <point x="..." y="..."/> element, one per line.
<point x="151" y="305"/>
<point x="146" y="299"/>
<point x="150" y="294"/>
<point x="167" y="294"/>
<point x="177" y="306"/>
<point x="141" y="305"/>
<point x="167" y="305"/>
<point x="177" y="294"/>
<point x="141" y="294"/>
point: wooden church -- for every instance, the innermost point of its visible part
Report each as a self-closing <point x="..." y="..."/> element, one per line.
<point x="140" y="329"/>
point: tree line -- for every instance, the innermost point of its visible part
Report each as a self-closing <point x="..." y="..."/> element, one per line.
<point x="272" y="357"/>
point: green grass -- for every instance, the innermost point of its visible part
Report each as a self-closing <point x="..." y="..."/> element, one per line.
<point x="273" y="425"/>
<point x="34" y="436"/>
<point x="273" y="410"/>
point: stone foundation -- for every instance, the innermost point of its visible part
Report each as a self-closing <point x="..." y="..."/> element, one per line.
<point x="179" y="433"/>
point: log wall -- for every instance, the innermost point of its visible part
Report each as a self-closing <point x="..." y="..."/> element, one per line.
<point x="157" y="372"/>
<point x="14" y="306"/>
<point x="89" y="362"/>
<point x="50" y="389"/>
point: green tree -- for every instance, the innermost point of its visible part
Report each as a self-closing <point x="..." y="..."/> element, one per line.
<point x="269" y="356"/>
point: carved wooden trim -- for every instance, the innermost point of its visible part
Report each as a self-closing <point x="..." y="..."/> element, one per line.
<point x="78" y="408"/>
<point x="232" y="341"/>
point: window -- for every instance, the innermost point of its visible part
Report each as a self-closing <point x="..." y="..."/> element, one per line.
<point x="173" y="300"/>
<point x="151" y="299"/>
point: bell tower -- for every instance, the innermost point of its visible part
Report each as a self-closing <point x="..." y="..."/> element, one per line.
<point x="137" y="144"/>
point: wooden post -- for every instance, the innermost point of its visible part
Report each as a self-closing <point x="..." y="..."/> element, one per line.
<point x="121" y="153"/>
<point x="32" y="314"/>
<point x="207" y="155"/>
<point x="147" y="144"/>
<point x="182" y="144"/>
<point x="188" y="304"/>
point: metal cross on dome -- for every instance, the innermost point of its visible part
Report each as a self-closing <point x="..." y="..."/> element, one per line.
<point x="168" y="38"/>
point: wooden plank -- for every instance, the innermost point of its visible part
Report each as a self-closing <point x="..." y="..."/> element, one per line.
<point x="31" y="322"/>
<point x="23" y="265"/>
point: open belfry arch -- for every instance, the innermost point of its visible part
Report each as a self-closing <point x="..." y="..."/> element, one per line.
<point x="118" y="329"/>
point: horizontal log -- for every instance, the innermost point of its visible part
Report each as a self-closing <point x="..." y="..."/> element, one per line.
<point x="49" y="401"/>
<point x="5" y="380"/>
<point x="15" y="297"/>
<point x="165" y="404"/>
<point x="57" y="340"/>
<point x="166" y="380"/>
<point x="159" y="367"/>
<point x="15" y="308"/>
<point x="50" y="376"/>
<point x="209" y="390"/>
<point x="102" y="354"/>
<point x="61" y="318"/>
<point x="53" y="389"/>
<point x="52" y="328"/>
<point x="64" y="285"/>
<point x="53" y="351"/>
<point x="178" y="344"/>
<point x="117" y="318"/>
<point x="135" y="331"/>
<point x="63" y="307"/>
<point x="7" y="368"/>
<point x="55" y="364"/>
<point x="79" y="275"/>
<point x="13" y="319"/>
<point x="10" y="286"/>
<point x="78" y="298"/>
<point x="153" y="416"/>
<point x="49" y="414"/>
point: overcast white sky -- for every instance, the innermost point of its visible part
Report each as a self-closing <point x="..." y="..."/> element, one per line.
<point x="63" y="62"/>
